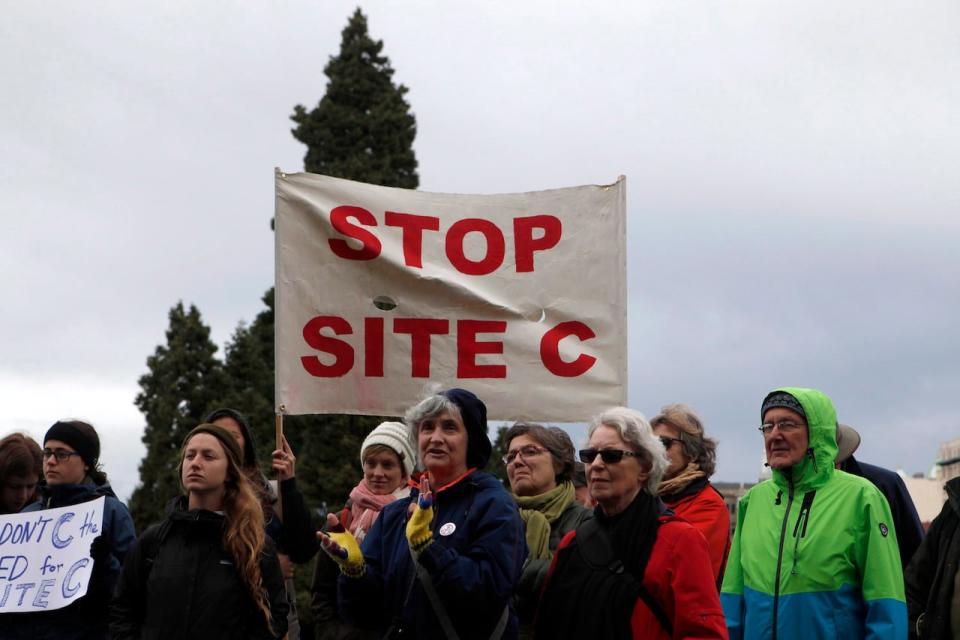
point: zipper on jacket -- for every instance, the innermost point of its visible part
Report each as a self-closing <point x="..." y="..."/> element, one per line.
<point x="802" y="519"/>
<point x="783" y="534"/>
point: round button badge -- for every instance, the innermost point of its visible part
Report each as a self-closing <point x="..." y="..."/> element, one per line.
<point x="448" y="529"/>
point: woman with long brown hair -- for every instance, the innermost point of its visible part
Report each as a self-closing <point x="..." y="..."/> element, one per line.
<point x="208" y="571"/>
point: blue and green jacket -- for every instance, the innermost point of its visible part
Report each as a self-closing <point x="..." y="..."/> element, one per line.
<point x="815" y="552"/>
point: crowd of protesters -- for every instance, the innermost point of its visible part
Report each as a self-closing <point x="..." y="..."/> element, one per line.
<point x="626" y="538"/>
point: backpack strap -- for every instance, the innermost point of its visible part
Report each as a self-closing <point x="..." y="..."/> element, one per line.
<point x="441" y="612"/>
<point x="595" y="548"/>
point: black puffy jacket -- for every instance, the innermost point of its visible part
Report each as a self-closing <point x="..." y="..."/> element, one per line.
<point x="179" y="582"/>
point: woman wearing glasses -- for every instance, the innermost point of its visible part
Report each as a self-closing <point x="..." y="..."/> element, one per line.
<point x="540" y="468"/>
<point x="71" y="469"/>
<point x="686" y="487"/>
<point x="635" y="570"/>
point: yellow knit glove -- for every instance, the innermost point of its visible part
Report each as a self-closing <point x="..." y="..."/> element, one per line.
<point x="419" y="534"/>
<point x="339" y="544"/>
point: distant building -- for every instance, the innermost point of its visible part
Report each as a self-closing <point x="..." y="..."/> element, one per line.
<point x="927" y="494"/>
<point x="949" y="461"/>
<point x="732" y="492"/>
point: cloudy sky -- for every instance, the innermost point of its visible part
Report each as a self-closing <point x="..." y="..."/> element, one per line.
<point x="792" y="188"/>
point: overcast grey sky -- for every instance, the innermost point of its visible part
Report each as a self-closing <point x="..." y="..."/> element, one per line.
<point x="792" y="191"/>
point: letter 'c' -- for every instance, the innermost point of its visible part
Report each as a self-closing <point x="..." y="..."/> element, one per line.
<point x="65" y="588"/>
<point x="550" y="350"/>
<point x="59" y="542"/>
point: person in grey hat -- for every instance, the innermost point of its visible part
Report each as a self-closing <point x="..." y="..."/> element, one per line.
<point x="387" y="458"/>
<point x="906" y="521"/>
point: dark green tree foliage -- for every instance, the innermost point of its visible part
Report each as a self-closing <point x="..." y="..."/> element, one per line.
<point x="249" y="379"/>
<point x="362" y="129"/>
<point x="496" y="466"/>
<point x="183" y="379"/>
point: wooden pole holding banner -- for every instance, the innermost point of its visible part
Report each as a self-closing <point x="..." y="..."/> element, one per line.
<point x="278" y="426"/>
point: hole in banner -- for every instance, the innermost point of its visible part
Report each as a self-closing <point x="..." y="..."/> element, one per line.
<point x="384" y="303"/>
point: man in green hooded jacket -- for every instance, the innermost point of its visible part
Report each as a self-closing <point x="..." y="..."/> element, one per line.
<point x="815" y="553"/>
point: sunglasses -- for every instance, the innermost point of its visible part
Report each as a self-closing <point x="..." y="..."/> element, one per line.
<point x="668" y="441"/>
<point x="609" y="456"/>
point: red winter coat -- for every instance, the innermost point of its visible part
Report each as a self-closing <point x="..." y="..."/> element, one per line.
<point x="707" y="512"/>
<point x="679" y="578"/>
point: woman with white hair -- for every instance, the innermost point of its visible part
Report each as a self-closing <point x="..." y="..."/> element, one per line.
<point x="635" y="570"/>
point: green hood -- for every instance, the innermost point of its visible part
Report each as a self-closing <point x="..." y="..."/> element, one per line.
<point x="814" y="472"/>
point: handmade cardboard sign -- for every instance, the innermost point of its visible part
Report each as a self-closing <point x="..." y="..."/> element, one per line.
<point x="520" y="298"/>
<point x="45" y="556"/>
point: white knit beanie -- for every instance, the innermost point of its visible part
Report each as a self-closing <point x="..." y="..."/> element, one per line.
<point x="395" y="435"/>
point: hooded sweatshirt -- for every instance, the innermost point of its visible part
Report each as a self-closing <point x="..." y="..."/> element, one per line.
<point x="815" y="552"/>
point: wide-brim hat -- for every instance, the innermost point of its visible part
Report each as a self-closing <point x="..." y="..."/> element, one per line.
<point x="847" y="441"/>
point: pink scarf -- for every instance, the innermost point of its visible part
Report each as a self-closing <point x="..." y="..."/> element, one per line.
<point x="366" y="505"/>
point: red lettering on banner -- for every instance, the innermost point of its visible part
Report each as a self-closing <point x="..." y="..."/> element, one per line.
<point x="468" y="348"/>
<point x="496" y="246"/>
<point x="525" y="244"/>
<point x="420" y="330"/>
<point x="373" y="347"/>
<point x="371" y="244"/>
<point x="342" y="351"/>
<point x="413" y="227"/>
<point x="550" y="350"/>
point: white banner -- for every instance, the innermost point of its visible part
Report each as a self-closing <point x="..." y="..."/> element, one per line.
<point x="45" y="556"/>
<point x="520" y="298"/>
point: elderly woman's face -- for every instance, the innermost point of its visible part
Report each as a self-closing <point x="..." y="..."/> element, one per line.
<point x="531" y="471"/>
<point x="670" y="436"/>
<point x="615" y="485"/>
<point x="442" y="444"/>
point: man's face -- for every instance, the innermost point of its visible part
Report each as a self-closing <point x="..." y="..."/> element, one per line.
<point x="787" y="441"/>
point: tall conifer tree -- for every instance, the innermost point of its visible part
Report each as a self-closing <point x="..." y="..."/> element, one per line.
<point x="362" y="129"/>
<point x="183" y="379"/>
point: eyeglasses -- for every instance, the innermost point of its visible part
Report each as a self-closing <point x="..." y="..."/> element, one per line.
<point x="528" y="451"/>
<point x="785" y="426"/>
<point x="59" y="454"/>
<point x="668" y="441"/>
<point x="609" y="456"/>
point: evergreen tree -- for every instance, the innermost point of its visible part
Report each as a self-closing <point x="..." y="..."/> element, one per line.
<point x="496" y="466"/>
<point x="183" y="379"/>
<point x="362" y="129"/>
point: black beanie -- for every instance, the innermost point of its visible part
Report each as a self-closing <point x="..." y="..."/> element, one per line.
<point x="85" y="442"/>
<point x="781" y="399"/>
<point x="474" y="415"/>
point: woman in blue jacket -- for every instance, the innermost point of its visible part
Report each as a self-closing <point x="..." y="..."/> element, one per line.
<point x="72" y="474"/>
<point x="445" y="562"/>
